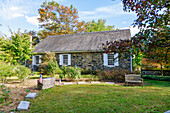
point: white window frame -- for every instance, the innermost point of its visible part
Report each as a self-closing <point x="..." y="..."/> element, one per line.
<point x="61" y="59"/>
<point x="105" y="60"/>
<point x="34" y="60"/>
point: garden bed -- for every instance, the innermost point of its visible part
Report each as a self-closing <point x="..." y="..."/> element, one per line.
<point x="17" y="93"/>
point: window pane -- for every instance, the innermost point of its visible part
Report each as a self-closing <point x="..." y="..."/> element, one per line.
<point x="37" y="59"/>
<point x="110" y="59"/>
<point x="110" y="56"/>
<point x="110" y="62"/>
<point x="65" y="59"/>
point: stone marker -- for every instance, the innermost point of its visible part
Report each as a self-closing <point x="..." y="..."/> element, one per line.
<point x="167" y="111"/>
<point x="109" y="83"/>
<point x="67" y="83"/>
<point x="30" y="96"/>
<point x="81" y="82"/>
<point x="95" y="82"/>
<point x="23" y="105"/>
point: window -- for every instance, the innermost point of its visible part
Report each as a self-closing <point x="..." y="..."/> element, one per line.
<point x="37" y="59"/>
<point x="65" y="59"/>
<point x="111" y="60"/>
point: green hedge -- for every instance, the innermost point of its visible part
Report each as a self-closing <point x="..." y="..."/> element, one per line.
<point x="156" y="77"/>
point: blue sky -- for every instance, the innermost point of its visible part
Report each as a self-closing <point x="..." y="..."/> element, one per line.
<point x="23" y="13"/>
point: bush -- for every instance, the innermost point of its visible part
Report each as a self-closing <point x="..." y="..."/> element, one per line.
<point x="74" y="72"/>
<point x="52" y="68"/>
<point x="117" y="75"/>
<point x="88" y="71"/>
<point x="22" y="72"/>
<point x="63" y="72"/>
<point x="6" y="70"/>
<point x="4" y="92"/>
<point x="156" y="77"/>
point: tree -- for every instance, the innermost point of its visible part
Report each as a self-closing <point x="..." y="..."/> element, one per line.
<point x="93" y="26"/>
<point x="17" y="48"/>
<point x="152" y="40"/>
<point x="58" y="19"/>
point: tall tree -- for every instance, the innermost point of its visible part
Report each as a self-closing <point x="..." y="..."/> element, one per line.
<point x="93" y="26"/>
<point x="58" y="19"/>
<point x="153" y="39"/>
<point x="17" y="48"/>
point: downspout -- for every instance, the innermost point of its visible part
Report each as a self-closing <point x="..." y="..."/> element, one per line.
<point x="131" y="62"/>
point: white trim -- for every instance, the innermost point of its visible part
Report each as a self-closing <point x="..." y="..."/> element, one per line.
<point x="69" y="59"/>
<point x="131" y="62"/>
<point x="116" y="62"/>
<point x="105" y="59"/>
<point x="34" y="60"/>
<point x="61" y="59"/>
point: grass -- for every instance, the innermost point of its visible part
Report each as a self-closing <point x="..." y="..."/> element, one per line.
<point x="102" y="98"/>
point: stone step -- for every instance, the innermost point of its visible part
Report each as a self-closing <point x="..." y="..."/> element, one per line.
<point x="30" y="96"/>
<point x="23" y="105"/>
<point x="81" y="82"/>
<point x="95" y="82"/>
<point x="67" y="83"/>
<point x="109" y="83"/>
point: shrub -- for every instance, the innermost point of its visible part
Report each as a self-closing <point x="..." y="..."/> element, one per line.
<point x="88" y="71"/>
<point x="156" y="77"/>
<point x="22" y="72"/>
<point x="74" y="72"/>
<point x="117" y="75"/>
<point x="63" y="72"/>
<point x="6" y="70"/>
<point x="4" y="92"/>
<point x="46" y="59"/>
<point x="52" y="68"/>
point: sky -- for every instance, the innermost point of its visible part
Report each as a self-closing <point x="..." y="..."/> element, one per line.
<point x="23" y="14"/>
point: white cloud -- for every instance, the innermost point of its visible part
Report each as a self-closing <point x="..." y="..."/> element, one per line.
<point x="104" y="12"/>
<point x="15" y="15"/>
<point x="32" y="20"/>
<point x="133" y="30"/>
<point x="14" y="8"/>
<point x="124" y="22"/>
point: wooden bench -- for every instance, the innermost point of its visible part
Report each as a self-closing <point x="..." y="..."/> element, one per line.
<point x="133" y="78"/>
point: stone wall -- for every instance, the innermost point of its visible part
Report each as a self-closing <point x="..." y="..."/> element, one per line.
<point x="94" y="61"/>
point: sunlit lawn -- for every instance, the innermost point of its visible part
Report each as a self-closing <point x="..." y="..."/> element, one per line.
<point x="102" y="98"/>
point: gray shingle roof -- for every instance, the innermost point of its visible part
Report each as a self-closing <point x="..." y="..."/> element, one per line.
<point x="91" y="41"/>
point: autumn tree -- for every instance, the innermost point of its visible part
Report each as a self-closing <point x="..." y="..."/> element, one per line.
<point x="100" y="25"/>
<point x="17" y="48"/>
<point x="58" y="19"/>
<point x="153" y="37"/>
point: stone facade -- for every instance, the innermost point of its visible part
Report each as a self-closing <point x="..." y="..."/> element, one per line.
<point x="94" y="61"/>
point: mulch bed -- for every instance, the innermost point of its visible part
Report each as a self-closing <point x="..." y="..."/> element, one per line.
<point x="17" y="93"/>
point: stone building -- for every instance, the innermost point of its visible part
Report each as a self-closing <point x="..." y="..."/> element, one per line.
<point x="84" y="50"/>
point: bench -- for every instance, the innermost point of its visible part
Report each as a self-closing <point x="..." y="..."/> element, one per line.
<point x="46" y="83"/>
<point x="133" y="78"/>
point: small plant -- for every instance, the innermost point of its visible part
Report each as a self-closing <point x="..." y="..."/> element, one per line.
<point x="5" y="93"/>
<point x="52" y="68"/>
<point x="74" y="72"/>
<point x="63" y="72"/>
<point x="22" y="72"/>
<point x="6" y="70"/>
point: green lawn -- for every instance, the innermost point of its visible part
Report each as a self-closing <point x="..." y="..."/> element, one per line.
<point x="102" y="98"/>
